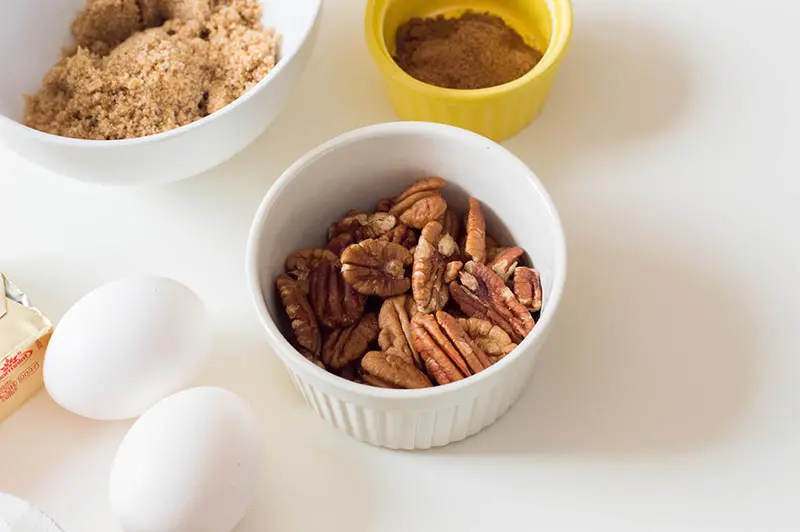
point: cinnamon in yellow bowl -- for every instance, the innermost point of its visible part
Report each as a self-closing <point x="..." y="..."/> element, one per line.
<point x="543" y="27"/>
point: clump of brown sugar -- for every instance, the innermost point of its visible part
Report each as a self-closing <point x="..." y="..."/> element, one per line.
<point x="472" y="51"/>
<point x="141" y="67"/>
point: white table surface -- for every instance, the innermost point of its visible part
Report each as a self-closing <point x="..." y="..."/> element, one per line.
<point x="667" y="400"/>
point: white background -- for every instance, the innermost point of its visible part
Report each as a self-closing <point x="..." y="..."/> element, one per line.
<point x="669" y="397"/>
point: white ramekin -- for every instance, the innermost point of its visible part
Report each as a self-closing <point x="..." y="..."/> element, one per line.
<point x="17" y="515"/>
<point x="353" y="171"/>
<point x="38" y="30"/>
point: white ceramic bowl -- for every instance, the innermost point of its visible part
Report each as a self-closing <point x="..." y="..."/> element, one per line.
<point x="32" y="34"/>
<point x="354" y="171"/>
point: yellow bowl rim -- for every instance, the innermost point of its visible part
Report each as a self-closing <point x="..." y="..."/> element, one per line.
<point x="559" y="41"/>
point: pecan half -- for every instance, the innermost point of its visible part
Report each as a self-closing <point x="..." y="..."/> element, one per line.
<point x="528" y="288"/>
<point x="362" y="226"/>
<point x="430" y="265"/>
<point x="494" y="341"/>
<point x="343" y="346"/>
<point x="505" y="262"/>
<point x="448" y="351"/>
<point x="304" y="324"/>
<point x="475" y="245"/>
<point x="482" y="294"/>
<point x="351" y="372"/>
<point x="426" y="184"/>
<point x="300" y="263"/>
<point x="394" y="320"/>
<point x="452" y="270"/>
<point x="384" y="205"/>
<point x="335" y="303"/>
<point x="401" y="234"/>
<point x="420" y="203"/>
<point x="436" y="350"/>
<point x="377" y="268"/>
<point x="474" y="356"/>
<point x="375" y="381"/>
<point x="339" y="243"/>
<point x="347" y="224"/>
<point x="492" y="248"/>
<point x="451" y="223"/>
<point x="394" y="370"/>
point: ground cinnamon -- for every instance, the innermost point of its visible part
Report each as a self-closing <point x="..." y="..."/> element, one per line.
<point x="472" y="51"/>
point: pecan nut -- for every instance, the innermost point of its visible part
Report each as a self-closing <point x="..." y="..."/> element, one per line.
<point x="384" y="204"/>
<point x="421" y="203"/>
<point x="430" y="265"/>
<point x="452" y="271"/>
<point x="505" y="262"/>
<point x="391" y="369"/>
<point x="436" y="350"/>
<point x="375" y="381"/>
<point x="492" y="248"/>
<point x="343" y="346"/>
<point x="474" y="356"/>
<point x="394" y="320"/>
<point x="303" y="322"/>
<point x="451" y="223"/>
<point x="448" y="351"/>
<point x="494" y="341"/>
<point x="377" y="267"/>
<point x="300" y="263"/>
<point x="351" y="372"/>
<point x="361" y="226"/>
<point x="483" y="294"/>
<point x="346" y="225"/>
<point x="528" y="288"/>
<point x="340" y="242"/>
<point x="401" y="234"/>
<point x="335" y="303"/>
<point x="475" y="245"/>
<point x="426" y="184"/>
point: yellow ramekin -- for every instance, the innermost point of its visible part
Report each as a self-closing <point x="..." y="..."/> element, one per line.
<point x="496" y="112"/>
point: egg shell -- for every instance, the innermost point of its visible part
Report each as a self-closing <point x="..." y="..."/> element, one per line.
<point x="125" y="346"/>
<point x="189" y="464"/>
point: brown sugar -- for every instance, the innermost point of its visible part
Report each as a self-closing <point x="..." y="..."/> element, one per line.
<point x="141" y="67"/>
<point x="473" y="51"/>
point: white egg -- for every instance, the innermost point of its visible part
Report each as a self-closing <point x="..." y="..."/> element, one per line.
<point x="126" y="346"/>
<point x="189" y="464"/>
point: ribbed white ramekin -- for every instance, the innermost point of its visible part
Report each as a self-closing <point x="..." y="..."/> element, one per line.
<point x="353" y="171"/>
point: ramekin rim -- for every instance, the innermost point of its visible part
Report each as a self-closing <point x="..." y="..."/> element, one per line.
<point x="290" y="356"/>
<point x="52" y="138"/>
<point x="383" y="59"/>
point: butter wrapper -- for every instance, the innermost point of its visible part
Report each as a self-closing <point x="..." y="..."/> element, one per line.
<point x="24" y="335"/>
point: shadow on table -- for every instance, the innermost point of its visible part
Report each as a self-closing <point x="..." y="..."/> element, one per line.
<point x="618" y="84"/>
<point x="682" y="378"/>
<point x="314" y="477"/>
<point x="41" y="440"/>
<point x="650" y="356"/>
<point x="321" y="490"/>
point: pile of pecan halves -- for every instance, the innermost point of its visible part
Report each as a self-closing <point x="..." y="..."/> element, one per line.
<point x="406" y="297"/>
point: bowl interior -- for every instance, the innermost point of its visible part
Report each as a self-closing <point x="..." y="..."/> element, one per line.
<point x="356" y="170"/>
<point x="530" y="18"/>
<point x="33" y="34"/>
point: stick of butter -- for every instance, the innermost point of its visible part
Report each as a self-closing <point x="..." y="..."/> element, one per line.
<point x="24" y="334"/>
